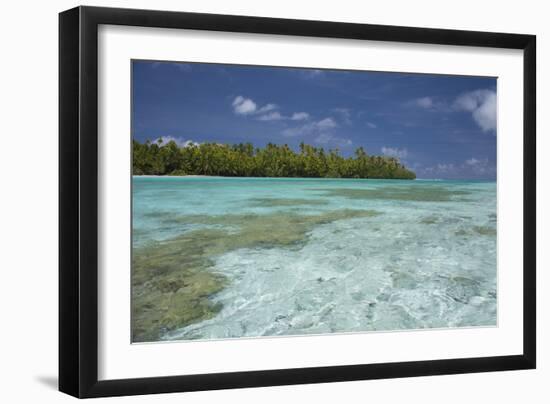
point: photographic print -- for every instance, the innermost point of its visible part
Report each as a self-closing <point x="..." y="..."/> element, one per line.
<point x="283" y="201"/>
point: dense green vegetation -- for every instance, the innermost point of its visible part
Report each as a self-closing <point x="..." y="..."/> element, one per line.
<point x="243" y="160"/>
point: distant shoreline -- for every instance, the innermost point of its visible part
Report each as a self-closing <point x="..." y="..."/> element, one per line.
<point x="180" y="176"/>
<point x="319" y="178"/>
<point x="288" y="178"/>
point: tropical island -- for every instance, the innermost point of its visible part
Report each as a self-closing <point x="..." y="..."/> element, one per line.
<point x="245" y="160"/>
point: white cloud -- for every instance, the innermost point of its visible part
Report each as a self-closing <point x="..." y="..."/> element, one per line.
<point x="277" y="116"/>
<point x="299" y="130"/>
<point x="470" y="168"/>
<point x="299" y="116"/>
<point x="472" y="162"/>
<point x="326" y="138"/>
<point x="372" y="125"/>
<point x="313" y="73"/>
<point x="480" y="166"/>
<point x="268" y="112"/>
<point x="424" y="102"/>
<point x="432" y="104"/>
<point x="184" y="67"/>
<point x="445" y="168"/>
<point x="394" y="152"/>
<point x="347" y="142"/>
<point x="243" y="106"/>
<point x="272" y="116"/>
<point x="181" y="142"/>
<point x="326" y="123"/>
<point x="247" y="106"/>
<point x="317" y="127"/>
<point x="322" y="130"/>
<point x="323" y="138"/>
<point x="267" y="108"/>
<point x="188" y="143"/>
<point x="345" y="115"/>
<point x="483" y="106"/>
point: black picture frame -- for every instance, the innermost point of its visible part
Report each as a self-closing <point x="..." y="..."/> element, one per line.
<point x="78" y="201"/>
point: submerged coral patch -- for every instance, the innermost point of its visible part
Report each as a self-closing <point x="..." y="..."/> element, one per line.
<point x="477" y="231"/>
<point x="282" y="202"/>
<point x="173" y="280"/>
<point x="429" y="219"/>
<point x="401" y="193"/>
<point x="485" y="230"/>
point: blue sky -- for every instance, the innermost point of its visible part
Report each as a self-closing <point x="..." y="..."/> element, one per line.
<point x="439" y="126"/>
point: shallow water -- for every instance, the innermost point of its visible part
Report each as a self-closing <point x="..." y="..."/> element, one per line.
<point x="249" y="257"/>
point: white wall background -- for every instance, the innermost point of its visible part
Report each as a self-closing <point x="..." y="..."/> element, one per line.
<point x="28" y="214"/>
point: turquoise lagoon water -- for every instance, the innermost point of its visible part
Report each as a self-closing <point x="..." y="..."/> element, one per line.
<point x="426" y="259"/>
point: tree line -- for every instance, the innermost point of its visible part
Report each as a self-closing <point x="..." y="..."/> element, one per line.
<point x="245" y="160"/>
